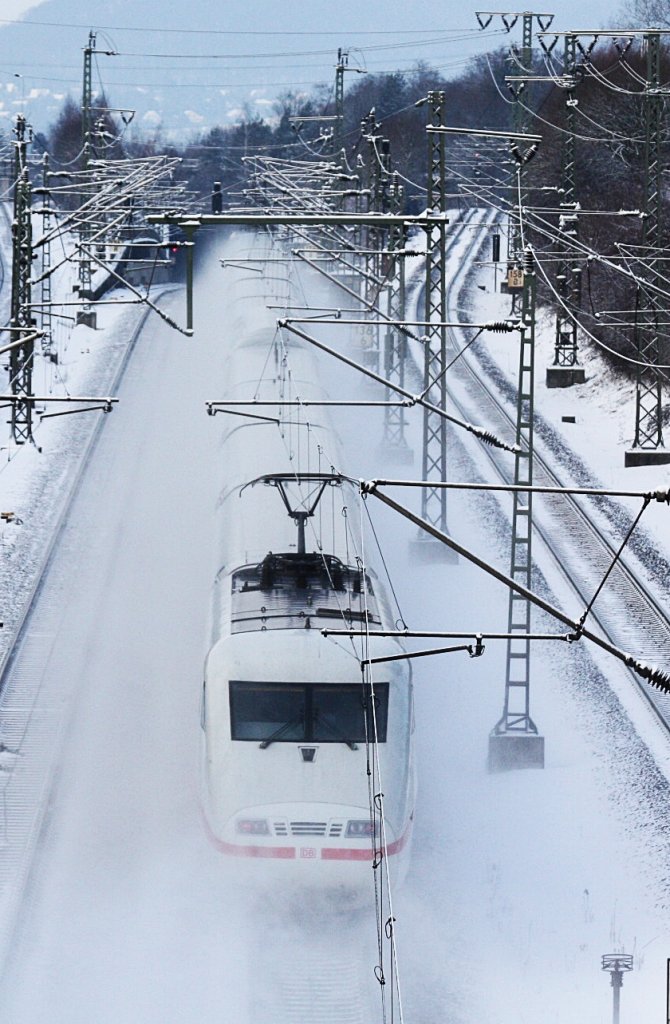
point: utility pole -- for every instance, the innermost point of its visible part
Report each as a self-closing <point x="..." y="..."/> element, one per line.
<point x="648" y="447"/>
<point x="514" y="741"/>
<point x="616" y="964"/>
<point x="21" y="323"/>
<point x="566" y="370"/>
<point x="434" y="449"/>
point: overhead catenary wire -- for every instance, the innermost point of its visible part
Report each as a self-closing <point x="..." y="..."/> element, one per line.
<point x="386" y="929"/>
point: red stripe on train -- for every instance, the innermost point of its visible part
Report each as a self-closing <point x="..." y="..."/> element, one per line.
<point x="272" y="852"/>
<point x="343" y="853"/>
<point x="292" y="852"/>
<point x="232" y="849"/>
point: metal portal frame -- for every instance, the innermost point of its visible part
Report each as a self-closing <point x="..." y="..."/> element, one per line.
<point x="190" y="223"/>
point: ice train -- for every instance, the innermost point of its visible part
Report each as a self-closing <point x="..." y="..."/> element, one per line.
<point x="298" y="740"/>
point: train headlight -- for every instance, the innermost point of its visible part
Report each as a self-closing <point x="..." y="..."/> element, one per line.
<point x="362" y="829"/>
<point x="252" y="827"/>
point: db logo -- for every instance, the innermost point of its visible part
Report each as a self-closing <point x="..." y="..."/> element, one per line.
<point x="308" y="851"/>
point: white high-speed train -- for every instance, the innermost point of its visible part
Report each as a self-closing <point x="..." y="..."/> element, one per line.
<point x="298" y="740"/>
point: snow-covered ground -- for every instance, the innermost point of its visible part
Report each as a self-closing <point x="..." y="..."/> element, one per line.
<point x="603" y="407"/>
<point x="36" y="479"/>
<point x="519" y="882"/>
<point x="593" y="752"/>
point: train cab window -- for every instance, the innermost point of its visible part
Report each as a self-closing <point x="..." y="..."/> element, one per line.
<point x="259" y="710"/>
<point x="338" y="712"/>
<point x="312" y="712"/>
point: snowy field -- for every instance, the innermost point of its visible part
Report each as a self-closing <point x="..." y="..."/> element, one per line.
<point x="518" y="883"/>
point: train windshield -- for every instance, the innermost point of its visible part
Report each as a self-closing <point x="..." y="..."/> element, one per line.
<point x="308" y="712"/>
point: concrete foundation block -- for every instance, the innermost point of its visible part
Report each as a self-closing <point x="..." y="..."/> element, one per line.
<point x="647" y="457"/>
<point x="88" y="318"/>
<point x="431" y="550"/>
<point x="565" y="376"/>
<point x="396" y="454"/>
<point x="509" y="751"/>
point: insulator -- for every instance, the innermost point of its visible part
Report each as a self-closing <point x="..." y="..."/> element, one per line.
<point x="655" y="676"/>
<point x="488" y="438"/>
<point x="503" y="326"/>
<point x="528" y="261"/>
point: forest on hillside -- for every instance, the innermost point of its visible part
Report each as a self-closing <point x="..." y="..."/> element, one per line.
<point x="606" y="97"/>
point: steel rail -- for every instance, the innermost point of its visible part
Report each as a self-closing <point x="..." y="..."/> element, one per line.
<point x="587" y="541"/>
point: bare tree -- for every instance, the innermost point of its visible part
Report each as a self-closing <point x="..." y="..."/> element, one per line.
<point x="648" y="13"/>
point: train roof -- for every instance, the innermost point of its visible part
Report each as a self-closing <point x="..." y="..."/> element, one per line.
<point x="292" y="590"/>
<point x="300" y="655"/>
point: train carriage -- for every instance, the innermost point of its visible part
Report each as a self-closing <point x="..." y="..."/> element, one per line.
<point x="298" y="739"/>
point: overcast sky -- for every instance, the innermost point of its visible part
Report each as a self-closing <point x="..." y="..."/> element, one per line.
<point x="570" y="13"/>
<point x="205" y="61"/>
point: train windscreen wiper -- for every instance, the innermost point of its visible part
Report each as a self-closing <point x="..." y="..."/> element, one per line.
<point x="325" y="724"/>
<point x="278" y="733"/>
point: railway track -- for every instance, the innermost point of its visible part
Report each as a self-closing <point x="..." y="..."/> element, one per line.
<point x="4" y="206"/>
<point x="627" y="612"/>
<point x="330" y="979"/>
<point x="31" y="722"/>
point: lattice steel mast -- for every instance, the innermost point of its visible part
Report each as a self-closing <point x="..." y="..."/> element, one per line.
<point x="522" y="116"/>
<point x="86" y="315"/>
<point x="648" y="447"/>
<point x="46" y="310"/>
<point x="515" y="742"/>
<point x="22" y="329"/>
<point x="338" y="129"/>
<point x="566" y="370"/>
<point x="376" y="188"/>
<point x="523" y="57"/>
<point x="434" y="449"/>
<point x="395" y="347"/>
